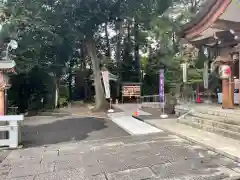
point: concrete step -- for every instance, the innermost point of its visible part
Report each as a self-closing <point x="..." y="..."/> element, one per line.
<point x="216" y="123"/>
<point x="210" y="128"/>
<point x="230" y="114"/>
<point x="223" y="119"/>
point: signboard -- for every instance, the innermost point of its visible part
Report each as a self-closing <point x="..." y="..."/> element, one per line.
<point x="131" y="91"/>
<point x="184" y="67"/>
<point x="205" y="75"/>
<point x="105" y="76"/>
<point x="161" y="86"/>
<point x="224" y="71"/>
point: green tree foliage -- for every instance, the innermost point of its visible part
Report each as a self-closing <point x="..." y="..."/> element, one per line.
<point x="61" y="37"/>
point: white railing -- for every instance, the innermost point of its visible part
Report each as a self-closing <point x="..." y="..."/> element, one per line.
<point x="151" y="101"/>
<point x="12" y="125"/>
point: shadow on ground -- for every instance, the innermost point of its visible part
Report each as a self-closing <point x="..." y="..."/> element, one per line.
<point x="39" y="133"/>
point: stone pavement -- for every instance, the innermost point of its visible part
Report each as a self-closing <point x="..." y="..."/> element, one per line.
<point x="227" y="146"/>
<point x="224" y="145"/>
<point x="152" y="157"/>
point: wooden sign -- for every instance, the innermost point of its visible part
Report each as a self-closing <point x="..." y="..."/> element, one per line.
<point x="131" y="91"/>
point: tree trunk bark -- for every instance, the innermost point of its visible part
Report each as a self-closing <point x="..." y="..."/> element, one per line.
<point x="119" y="28"/>
<point x="70" y="78"/>
<point x="83" y="56"/>
<point x="108" y="50"/>
<point x="136" y="51"/>
<point x="56" y="90"/>
<point x="100" y="101"/>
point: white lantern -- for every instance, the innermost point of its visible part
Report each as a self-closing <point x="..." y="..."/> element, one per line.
<point x="224" y="71"/>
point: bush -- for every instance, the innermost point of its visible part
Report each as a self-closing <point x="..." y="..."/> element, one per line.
<point x="63" y="101"/>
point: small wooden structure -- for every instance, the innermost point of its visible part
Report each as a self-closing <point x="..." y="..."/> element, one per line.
<point x="6" y="66"/>
<point x="10" y="124"/>
<point x="217" y="27"/>
<point x="131" y="90"/>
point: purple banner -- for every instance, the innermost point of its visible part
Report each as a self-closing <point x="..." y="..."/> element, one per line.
<point x="161" y="85"/>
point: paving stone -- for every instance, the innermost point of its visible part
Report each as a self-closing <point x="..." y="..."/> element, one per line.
<point x="30" y="169"/>
<point x="49" y="153"/>
<point x="97" y="177"/>
<point x="194" y="177"/>
<point x="166" y="155"/>
<point x="70" y="174"/>
<point x="23" y="178"/>
<point x="26" y="153"/>
<point x="188" y="167"/>
<point x="142" y="161"/>
<point x="19" y="156"/>
<point x="62" y="158"/>
<point x="4" y="154"/>
<point x="131" y="174"/>
<point x="4" y="172"/>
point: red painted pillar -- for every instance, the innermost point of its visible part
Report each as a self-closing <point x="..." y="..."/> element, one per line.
<point x="1" y="102"/>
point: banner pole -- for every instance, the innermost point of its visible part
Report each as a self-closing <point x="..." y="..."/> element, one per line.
<point x="161" y="93"/>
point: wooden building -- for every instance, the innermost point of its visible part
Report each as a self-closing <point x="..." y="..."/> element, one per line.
<point x="217" y="27"/>
<point x="6" y="66"/>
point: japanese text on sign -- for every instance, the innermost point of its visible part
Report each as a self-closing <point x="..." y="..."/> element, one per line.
<point x="131" y="91"/>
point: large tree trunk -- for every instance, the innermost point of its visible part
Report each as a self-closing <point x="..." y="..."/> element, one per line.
<point x="84" y="69"/>
<point x="57" y="84"/>
<point x="100" y="101"/>
<point x="108" y="50"/>
<point x="136" y="51"/>
<point x="83" y="56"/>
<point x="70" y="78"/>
<point x="119" y="28"/>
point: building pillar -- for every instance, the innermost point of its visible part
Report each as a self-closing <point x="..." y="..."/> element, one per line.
<point x="227" y="92"/>
<point x="238" y="82"/>
<point x="2" y="104"/>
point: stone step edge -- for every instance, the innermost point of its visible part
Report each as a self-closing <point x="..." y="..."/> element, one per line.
<point x="221" y="123"/>
<point x="220" y="114"/>
<point x="235" y="116"/>
<point x="202" y="111"/>
<point x="198" y="126"/>
<point x="217" y="119"/>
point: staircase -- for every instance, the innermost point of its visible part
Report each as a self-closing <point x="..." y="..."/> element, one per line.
<point x="224" y="124"/>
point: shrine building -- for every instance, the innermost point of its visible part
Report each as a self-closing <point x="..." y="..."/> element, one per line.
<point x="217" y="27"/>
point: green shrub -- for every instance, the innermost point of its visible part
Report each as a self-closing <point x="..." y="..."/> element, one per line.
<point x="63" y="101"/>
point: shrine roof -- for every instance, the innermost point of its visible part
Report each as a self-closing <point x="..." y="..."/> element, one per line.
<point x="217" y="23"/>
<point x="206" y="7"/>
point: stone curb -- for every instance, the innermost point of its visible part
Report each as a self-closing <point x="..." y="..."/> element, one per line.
<point x="230" y="156"/>
<point x="139" y="118"/>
